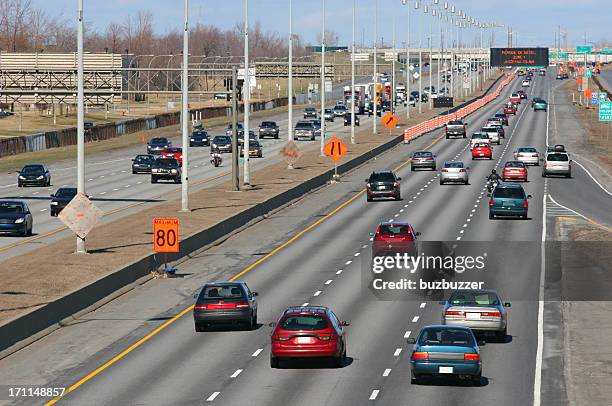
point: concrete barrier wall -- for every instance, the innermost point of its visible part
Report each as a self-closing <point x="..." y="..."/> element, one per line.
<point x="67" y="136"/>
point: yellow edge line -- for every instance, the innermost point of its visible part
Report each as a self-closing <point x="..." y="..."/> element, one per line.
<point x="243" y="272"/>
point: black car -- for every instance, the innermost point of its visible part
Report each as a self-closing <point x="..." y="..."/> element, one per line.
<point x="34" y="175"/>
<point x="252" y="137"/>
<point x="268" y="129"/>
<point x="221" y="143"/>
<point x="310" y="112"/>
<point x="225" y="303"/>
<point x="158" y="145"/>
<point x="347" y="119"/>
<point x="199" y="138"/>
<point x="424" y="98"/>
<point x="503" y="117"/>
<point x="88" y="127"/>
<point x="383" y="184"/>
<point x="166" y="169"/>
<point x="142" y="163"/>
<point x="15" y="218"/>
<point x="239" y="129"/>
<point x="61" y="198"/>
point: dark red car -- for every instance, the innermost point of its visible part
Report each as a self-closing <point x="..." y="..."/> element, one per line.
<point x="514" y="170"/>
<point x="510" y="109"/>
<point x="482" y="150"/>
<point x="391" y="238"/>
<point x="308" y="332"/>
<point x="174" y="152"/>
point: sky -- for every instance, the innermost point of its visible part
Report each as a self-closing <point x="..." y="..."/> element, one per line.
<point x="533" y="21"/>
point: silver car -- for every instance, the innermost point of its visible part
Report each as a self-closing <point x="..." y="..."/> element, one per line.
<point x="480" y="310"/>
<point x="454" y="171"/>
<point x="423" y="159"/>
<point x="527" y="155"/>
<point x="557" y="163"/>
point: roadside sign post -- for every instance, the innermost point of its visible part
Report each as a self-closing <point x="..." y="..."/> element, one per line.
<point x="166" y="239"/>
<point x="605" y="111"/>
<point x="335" y="149"/>
<point x="81" y="216"/>
<point x="290" y="153"/>
<point x="389" y="120"/>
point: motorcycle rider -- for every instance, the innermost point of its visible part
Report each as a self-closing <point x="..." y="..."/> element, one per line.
<point x="215" y="157"/>
<point x="493" y="178"/>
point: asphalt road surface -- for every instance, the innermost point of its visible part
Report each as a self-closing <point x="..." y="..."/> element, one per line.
<point x="142" y="349"/>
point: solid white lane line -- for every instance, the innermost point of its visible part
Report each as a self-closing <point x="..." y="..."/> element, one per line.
<point x="592" y="177"/>
<point x="397" y="352"/>
<point x="213" y="396"/>
<point x="415" y="319"/>
<point x="374" y="394"/>
<point x="329" y="281"/>
<point x="317" y="293"/>
<point x="387" y="372"/>
<point x="235" y="374"/>
<point x="257" y="352"/>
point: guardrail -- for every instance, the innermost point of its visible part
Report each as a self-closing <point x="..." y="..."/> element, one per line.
<point x="68" y="136"/>
<point x="441" y="120"/>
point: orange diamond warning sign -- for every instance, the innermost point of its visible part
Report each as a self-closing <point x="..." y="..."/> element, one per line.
<point x="335" y="148"/>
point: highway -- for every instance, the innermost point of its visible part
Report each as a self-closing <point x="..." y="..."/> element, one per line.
<point x="142" y="349"/>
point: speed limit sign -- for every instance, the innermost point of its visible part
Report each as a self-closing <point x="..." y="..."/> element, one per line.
<point x="166" y="235"/>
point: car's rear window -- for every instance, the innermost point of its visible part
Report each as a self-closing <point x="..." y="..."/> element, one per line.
<point x="11" y="207"/>
<point x="159" y="140"/>
<point x="422" y="154"/>
<point x="311" y="322"/>
<point x="527" y="149"/>
<point x="509" y="193"/>
<point x="268" y="123"/>
<point x="453" y="164"/>
<point x="479" y="136"/>
<point x="514" y="164"/>
<point x="394" y="229"/>
<point x="473" y="299"/>
<point x="455" y="123"/>
<point x="382" y="177"/>
<point x="170" y="162"/>
<point x="309" y="110"/>
<point x="446" y="336"/>
<point x="557" y="157"/>
<point x="222" y="292"/>
<point x="66" y="192"/>
<point x="222" y="138"/>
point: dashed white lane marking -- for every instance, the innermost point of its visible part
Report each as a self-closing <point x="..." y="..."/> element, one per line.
<point x="410" y="201"/>
<point x="407" y="334"/>
<point x="348" y="262"/>
<point x="257" y="352"/>
<point x="115" y="190"/>
<point x="397" y="352"/>
<point x="364" y="246"/>
<point x="114" y="173"/>
<point x="423" y="305"/>
<point x="128" y="185"/>
<point x="235" y="374"/>
<point x="406" y="204"/>
<point x="327" y="282"/>
<point x="397" y="215"/>
<point x="339" y="271"/>
<point x="34" y="193"/>
<point x="465" y="225"/>
<point x="374" y="394"/>
<point x="415" y="319"/>
<point x="89" y="180"/>
<point x="102" y="193"/>
<point x="139" y="182"/>
<point x="213" y="396"/>
<point x="317" y="293"/>
<point x="123" y="171"/>
<point x="458" y="238"/>
<point x="357" y="254"/>
<point x="101" y="176"/>
<point x="387" y="372"/>
<point x="414" y="197"/>
<point x="305" y="304"/>
<point x="43" y="209"/>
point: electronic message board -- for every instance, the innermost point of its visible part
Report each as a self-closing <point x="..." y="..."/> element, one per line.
<point x="520" y="57"/>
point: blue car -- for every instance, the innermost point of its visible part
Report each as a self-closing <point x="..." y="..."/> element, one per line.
<point x="445" y="351"/>
<point x="15" y="218"/>
<point x="509" y="199"/>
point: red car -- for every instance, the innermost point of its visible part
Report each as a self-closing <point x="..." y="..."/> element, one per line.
<point x="391" y="238"/>
<point x="174" y="152"/>
<point x="515" y="98"/>
<point x="308" y="332"/>
<point x="482" y="150"/>
<point x="514" y="170"/>
<point x="510" y="109"/>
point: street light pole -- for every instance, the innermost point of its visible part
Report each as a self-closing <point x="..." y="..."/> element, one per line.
<point x="407" y="61"/>
<point x="246" y="181"/>
<point x="323" y="80"/>
<point x="430" y="98"/>
<point x="185" y="111"/>
<point x="353" y="77"/>
<point x="290" y="84"/>
<point x="374" y="122"/>
<point x="393" y="99"/>
<point x="80" y="242"/>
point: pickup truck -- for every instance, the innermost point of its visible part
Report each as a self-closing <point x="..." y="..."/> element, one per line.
<point x="456" y="128"/>
<point x="478" y="138"/>
<point x="268" y="129"/>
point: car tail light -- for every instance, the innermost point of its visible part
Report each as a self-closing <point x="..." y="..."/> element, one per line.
<point x="278" y="337"/>
<point x="471" y="357"/>
<point x="201" y="307"/>
<point x="525" y="204"/>
<point x="462" y="170"/>
<point x="454" y="313"/>
<point x="534" y="155"/>
<point x="430" y="159"/>
<point x="491" y="314"/>
<point x="396" y="184"/>
<point x="444" y="170"/>
<point x="420" y="356"/>
<point x="368" y="185"/>
<point x="242" y="305"/>
<point x="491" y="203"/>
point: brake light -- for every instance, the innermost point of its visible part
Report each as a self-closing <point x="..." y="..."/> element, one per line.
<point x="276" y="337"/>
<point x="201" y="307"/>
<point x="525" y="204"/>
<point x="242" y="305"/>
<point x="454" y="313"/>
<point x="462" y="170"/>
<point x="396" y="184"/>
<point x="420" y="356"/>
<point x="491" y="314"/>
<point x="471" y="357"/>
<point x="430" y="159"/>
<point x="491" y="203"/>
<point x="444" y="170"/>
<point x="368" y="185"/>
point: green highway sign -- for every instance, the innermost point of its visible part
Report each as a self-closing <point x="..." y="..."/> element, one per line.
<point x="562" y="55"/>
<point x="602" y="96"/>
<point x="588" y="73"/>
<point x="606" y="51"/>
<point x="584" y="49"/>
<point x="605" y="111"/>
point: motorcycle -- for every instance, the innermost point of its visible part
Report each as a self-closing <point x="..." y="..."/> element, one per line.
<point x="215" y="158"/>
<point x="492" y="184"/>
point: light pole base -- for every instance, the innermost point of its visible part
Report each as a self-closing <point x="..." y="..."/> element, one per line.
<point x="185" y="211"/>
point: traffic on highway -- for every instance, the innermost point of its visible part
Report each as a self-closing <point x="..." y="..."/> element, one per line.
<point x="429" y="224"/>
